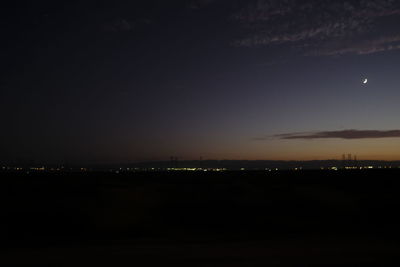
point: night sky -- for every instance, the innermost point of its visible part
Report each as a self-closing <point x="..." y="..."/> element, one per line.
<point x="125" y="81"/>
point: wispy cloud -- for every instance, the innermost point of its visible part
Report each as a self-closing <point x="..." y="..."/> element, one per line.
<point x="339" y="27"/>
<point x="198" y="4"/>
<point x="363" y="47"/>
<point x="345" y="134"/>
<point x="119" y="25"/>
<point x="125" y="25"/>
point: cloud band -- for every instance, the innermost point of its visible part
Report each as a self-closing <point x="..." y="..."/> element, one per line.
<point x="345" y="134"/>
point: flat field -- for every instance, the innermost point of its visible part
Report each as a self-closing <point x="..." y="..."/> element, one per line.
<point x="288" y="218"/>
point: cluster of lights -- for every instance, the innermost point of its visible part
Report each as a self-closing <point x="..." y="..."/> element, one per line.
<point x="5" y="168"/>
<point x="38" y="169"/>
<point x="120" y="170"/>
<point x="358" y="168"/>
<point x="197" y="169"/>
<point x="270" y="170"/>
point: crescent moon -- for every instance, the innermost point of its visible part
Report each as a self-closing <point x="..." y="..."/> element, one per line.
<point x="365" y="81"/>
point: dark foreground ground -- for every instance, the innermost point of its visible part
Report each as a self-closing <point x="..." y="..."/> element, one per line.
<point x="308" y="218"/>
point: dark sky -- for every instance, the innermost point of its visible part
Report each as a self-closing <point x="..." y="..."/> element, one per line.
<point x="120" y="81"/>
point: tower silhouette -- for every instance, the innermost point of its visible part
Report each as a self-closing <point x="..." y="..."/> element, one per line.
<point x="344" y="161"/>
<point x="174" y="162"/>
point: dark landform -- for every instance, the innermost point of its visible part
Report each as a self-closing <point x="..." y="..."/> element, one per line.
<point x="264" y="164"/>
<point x="201" y="164"/>
<point x="248" y="218"/>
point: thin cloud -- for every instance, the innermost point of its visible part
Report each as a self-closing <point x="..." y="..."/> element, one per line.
<point x="340" y="27"/>
<point x="382" y="44"/>
<point x="119" y="25"/>
<point x="345" y="134"/>
<point x="124" y="25"/>
<point x="198" y="4"/>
